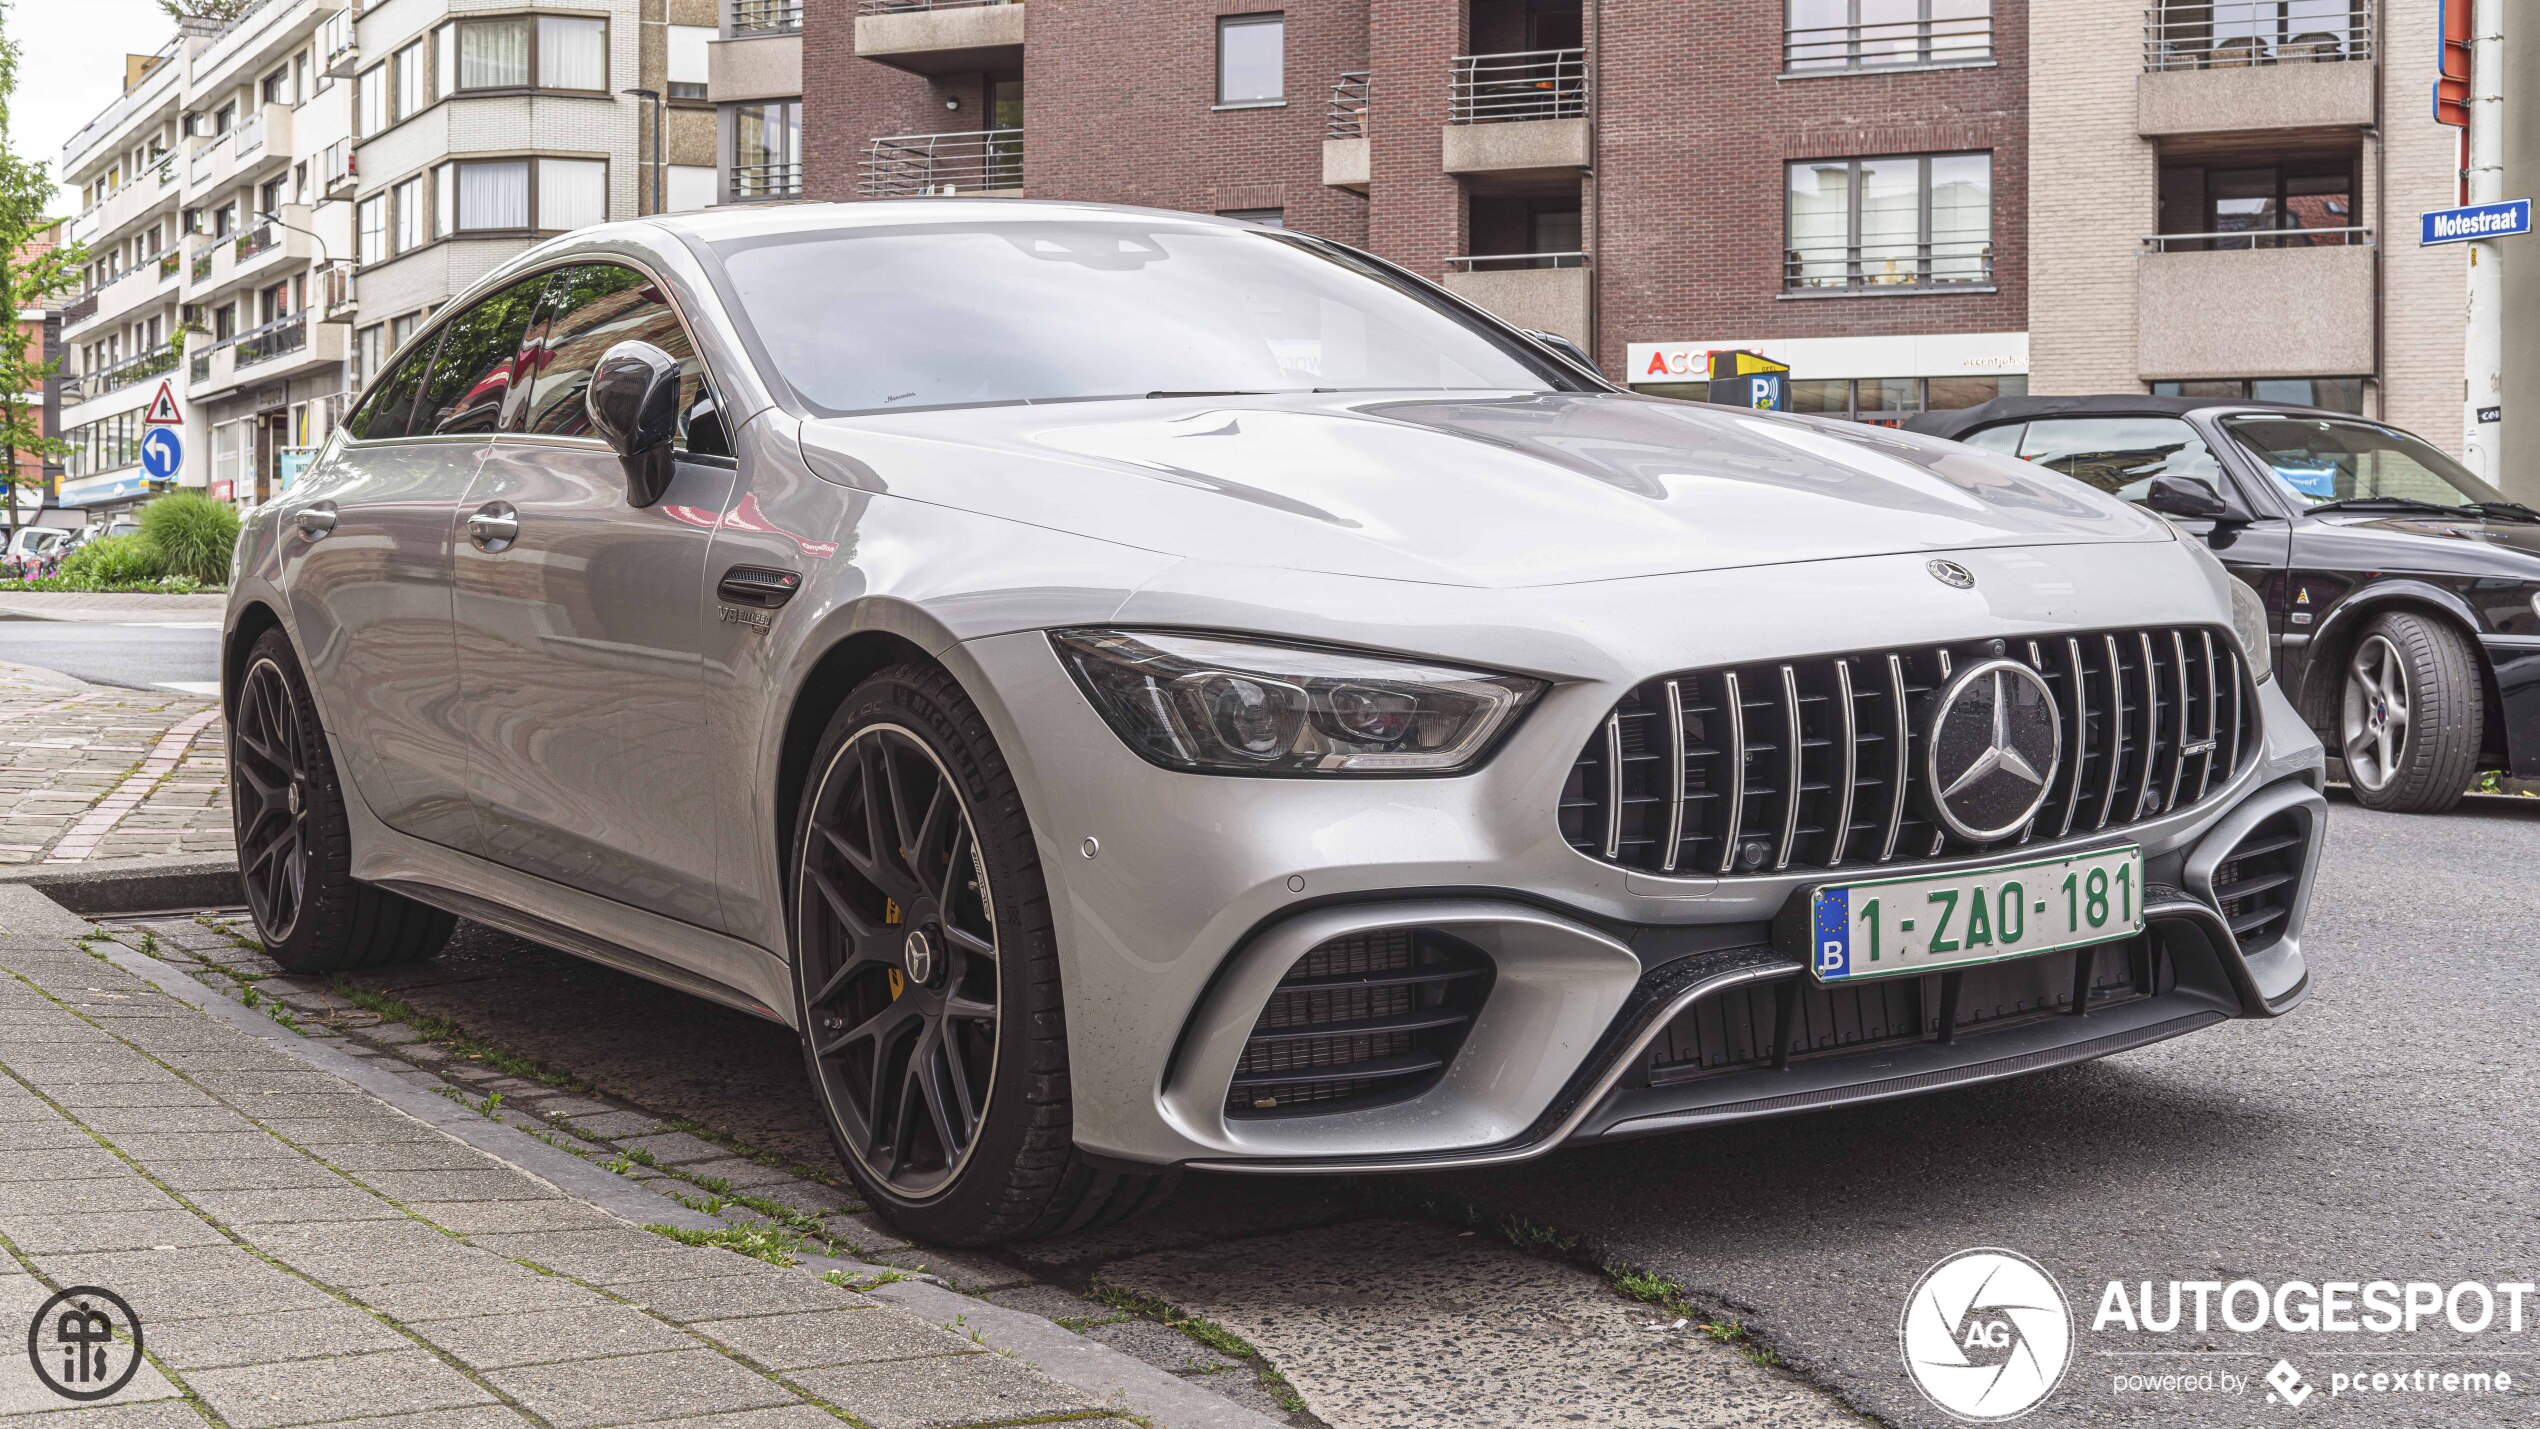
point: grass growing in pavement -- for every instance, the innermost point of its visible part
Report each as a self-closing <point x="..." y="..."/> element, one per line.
<point x="1670" y="1296"/>
<point x="442" y="1032"/>
<point x="757" y="1242"/>
<point x="1205" y="1331"/>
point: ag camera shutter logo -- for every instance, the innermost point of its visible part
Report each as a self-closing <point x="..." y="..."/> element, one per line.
<point x="1986" y="1335"/>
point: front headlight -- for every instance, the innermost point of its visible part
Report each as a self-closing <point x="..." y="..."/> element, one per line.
<point x="1213" y="705"/>
<point x="2249" y="622"/>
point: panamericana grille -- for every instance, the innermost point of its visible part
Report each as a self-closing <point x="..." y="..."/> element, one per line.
<point x="1815" y="763"/>
<point x="1773" y="1024"/>
<point x="1360" y="1021"/>
<point x="2254" y="887"/>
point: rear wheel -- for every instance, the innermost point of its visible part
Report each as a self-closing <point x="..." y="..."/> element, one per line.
<point x="927" y="977"/>
<point x="2410" y="715"/>
<point x="295" y="846"/>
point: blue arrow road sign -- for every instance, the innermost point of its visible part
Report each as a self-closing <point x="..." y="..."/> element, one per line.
<point x="2479" y="220"/>
<point x="162" y="452"/>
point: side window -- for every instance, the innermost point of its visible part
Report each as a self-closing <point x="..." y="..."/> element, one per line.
<point x="479" y="354"/>
<point x="384" y="414"/>
<point x="2004" y="439"/>
<point x="593" y="309"/>
<point x="2121" y="455"/>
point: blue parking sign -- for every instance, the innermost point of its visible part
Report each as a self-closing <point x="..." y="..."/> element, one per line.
<point x="162" y="453"/>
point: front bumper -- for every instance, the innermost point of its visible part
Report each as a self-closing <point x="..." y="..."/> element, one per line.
<point x="1181" y="900"/>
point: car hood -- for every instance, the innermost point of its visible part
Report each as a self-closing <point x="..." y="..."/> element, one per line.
<point x="2447" y="542"/>
<point x="1469" y="489"/>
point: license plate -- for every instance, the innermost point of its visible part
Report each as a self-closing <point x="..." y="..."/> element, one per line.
<point x="1891" y="927"/>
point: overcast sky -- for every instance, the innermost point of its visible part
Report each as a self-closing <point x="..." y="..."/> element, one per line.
<point x="70" y="65"/>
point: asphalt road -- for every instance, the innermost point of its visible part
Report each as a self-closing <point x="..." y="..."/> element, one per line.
<point x="2384" y="1130"/>
<point x="183" y="655"/>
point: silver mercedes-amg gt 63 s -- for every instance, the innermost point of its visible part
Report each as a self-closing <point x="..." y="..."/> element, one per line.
<point x="1139" y="691"/>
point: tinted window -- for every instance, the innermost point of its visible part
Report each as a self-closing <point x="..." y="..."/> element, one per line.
<point x="594" y="308"/>
<point x="480" y="350"/>
<point x="2320" y="461"/>
<point x="383" y="415"/>
<point x="2121" y="455"/>
<point x="893" y="319"/>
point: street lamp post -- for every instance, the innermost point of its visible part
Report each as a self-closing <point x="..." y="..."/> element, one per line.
<point x="661" y="159"/>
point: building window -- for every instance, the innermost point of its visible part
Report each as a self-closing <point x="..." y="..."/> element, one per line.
<point x="767" y="149"/>
<point x="2296" y="204"/>
<point x="572" y="53"/>
<point x="407" y="65"/>
<point x="373" y="229"/>
<point x="1252" y="64"/>
<point x="1881" y="401"/>
<point x="1822" y="35"/>
<point x="494" y="54"/>
<point x="687" y="60"/>
<point x="1266" y="217"/>
<point x="493" y="195"/>
<point x="276" y="88"/>
<point x="572" y="193"/>
<point x="413" y="225"/>
<point x="2336" y="394"/>
<point x="1911" y="221"/>
<point x="225" y="118"/>
<point x="374" y="96"/>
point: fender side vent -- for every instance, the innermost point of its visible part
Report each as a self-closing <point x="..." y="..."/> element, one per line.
<point x="1360" y="1021"/>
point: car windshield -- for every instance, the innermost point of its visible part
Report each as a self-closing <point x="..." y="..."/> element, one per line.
<point x="2319" y="460"/>
<point x="896" y="319"/>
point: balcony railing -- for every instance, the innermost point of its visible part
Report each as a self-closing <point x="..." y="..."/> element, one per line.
<point x="2242" y="240"/>
<point x="250" y="135"/>
<point x="198" y="368"/>
<point x="336" y="291"/>
<point x="80" y="309"/>
<point x="1837" y="267"/>
<point x="201" y="266"/>
<point x="2235" y="34"/>
<point x="168" y="263"/>
<point x="1889" y="44"/>
<point x="1514" y="262"/>
<point x="902" y="7"/>
<point x="123" y="374"/>
<point x="765" y="17"/>
<point x="282" y="336"/>
<point x="912" y="165"/>
<point x="751" y="181"/>
<point x="1537" y="84"/>
<point x="1347" y="118"/>
<point x="256" y="240"/>
<point x="206" y="159"/>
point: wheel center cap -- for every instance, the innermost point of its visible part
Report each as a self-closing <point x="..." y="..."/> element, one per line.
<point x="918" y="956"/>
<point x="293" y="799"/>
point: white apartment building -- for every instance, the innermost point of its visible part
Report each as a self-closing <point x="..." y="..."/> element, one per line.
<point x="274" y="204"/>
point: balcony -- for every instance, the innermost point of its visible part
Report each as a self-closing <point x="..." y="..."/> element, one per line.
<point x="766" y="181"/>
<point x="1935" y="43"/>
<point x="2275" y="303"/>
<point x="1517" y="115"/>
<point x="2252" y="66"/>
<point x="766" y="17"/>
<point x="1547" y="292"/>
<point x="342" y="46"/>
<point x="338" y="292"/>
<point x="1901" y="266"/>
<point x="762" y="64"/>
<point x="941" y="36"/>
<point x="936" y="165"/>
<point x="338" y="171"/>
<point x="158" y="361"/>
<point x="1346" y="161"/>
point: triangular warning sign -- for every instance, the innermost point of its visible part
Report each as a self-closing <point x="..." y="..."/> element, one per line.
<point x="162" y="412"/>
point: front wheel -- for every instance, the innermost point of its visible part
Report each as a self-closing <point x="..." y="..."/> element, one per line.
<point x="2410" y="715"/>
<point x="927" y="978"/>
<point x="295" y="845"/>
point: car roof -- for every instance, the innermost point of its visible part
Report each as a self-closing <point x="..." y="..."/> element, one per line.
<point x="729" y="221"/>
<point x="1954" y="425"/>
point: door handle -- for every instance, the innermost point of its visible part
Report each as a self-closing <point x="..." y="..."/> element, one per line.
<point x="493" y="526"/>
<point x="758" y="586"/>
<point x="316" y="521"/>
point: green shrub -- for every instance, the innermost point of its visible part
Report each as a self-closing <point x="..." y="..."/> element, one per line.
<point x="194" y="533"/>
<point x="113" y="561"/>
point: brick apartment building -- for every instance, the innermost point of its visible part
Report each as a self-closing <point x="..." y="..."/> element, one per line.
<point x="1859" y="188"/>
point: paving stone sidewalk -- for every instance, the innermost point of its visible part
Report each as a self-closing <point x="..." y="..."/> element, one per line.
<point x="300" y="1252"/>
<point x="115" y="606"/>
<point x="89" y="772"/>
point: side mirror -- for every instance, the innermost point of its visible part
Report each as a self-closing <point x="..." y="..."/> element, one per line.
<point x="633" y="400"/>
<point x="1565" y="348"/>
<point x="2192" y="497"/>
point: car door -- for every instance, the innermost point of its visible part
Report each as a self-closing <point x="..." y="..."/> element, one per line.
<point x="2121" y="454"/>
<point x="580" y="623"/>
<point x="366" y="570"/>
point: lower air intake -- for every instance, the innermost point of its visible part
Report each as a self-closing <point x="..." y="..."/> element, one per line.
<point x="2254" y="887"/>
<point x="1360" y="1021"/>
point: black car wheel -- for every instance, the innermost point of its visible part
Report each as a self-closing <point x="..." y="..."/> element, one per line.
<point x="294" y="842"/>
<point x="2410" y="715"/>
<point x="926" y="973"/>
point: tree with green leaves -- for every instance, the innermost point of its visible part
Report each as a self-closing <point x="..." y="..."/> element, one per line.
<point x="219" y="12"/>
<point x="27" y="280"/>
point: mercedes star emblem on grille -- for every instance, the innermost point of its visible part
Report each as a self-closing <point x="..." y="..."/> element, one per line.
<point x="1950" y="573"/>
<point x="1996" y="737"/>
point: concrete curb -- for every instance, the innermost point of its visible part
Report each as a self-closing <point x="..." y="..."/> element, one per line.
<point x="126" y="887"/>
<point x="1088" y="1365"/>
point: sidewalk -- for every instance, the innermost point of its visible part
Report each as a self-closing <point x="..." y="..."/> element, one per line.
<point x="89" y="772"/>
<point x="299" y="1251"/>
<point x="116" y="606"/>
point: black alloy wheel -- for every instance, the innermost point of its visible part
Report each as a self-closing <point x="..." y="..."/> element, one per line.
<point x="269" y="800"/>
